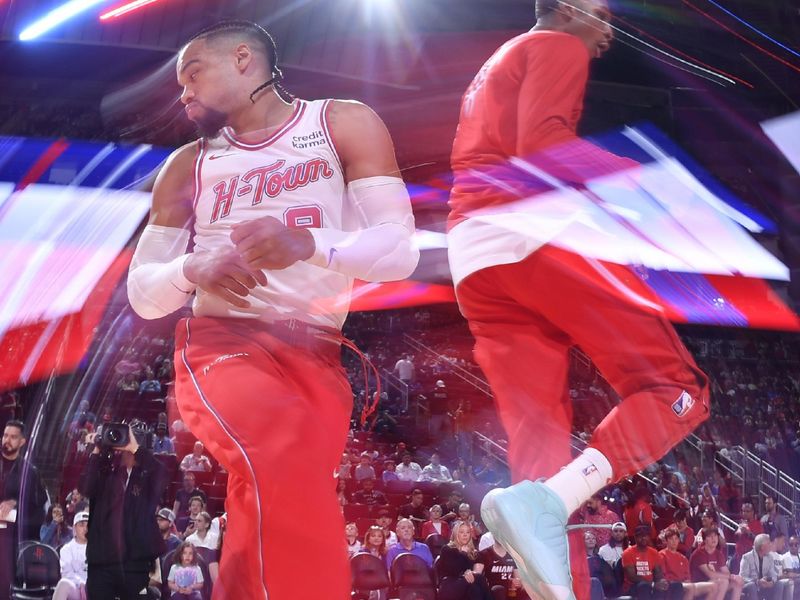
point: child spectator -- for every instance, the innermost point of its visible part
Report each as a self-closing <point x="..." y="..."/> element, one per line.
<point x="185" y="577"/>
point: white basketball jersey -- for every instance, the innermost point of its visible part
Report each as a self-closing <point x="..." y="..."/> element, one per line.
<point x="294" y="175"/>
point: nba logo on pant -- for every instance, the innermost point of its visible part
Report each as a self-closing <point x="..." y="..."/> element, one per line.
<point x="683" y="404"/>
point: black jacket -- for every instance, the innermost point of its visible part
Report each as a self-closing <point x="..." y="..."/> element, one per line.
<point x="122" y="520"/>
<point x="30" y="507"/>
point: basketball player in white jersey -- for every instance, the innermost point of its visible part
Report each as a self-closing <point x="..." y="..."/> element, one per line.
<point x="288" y="200"/>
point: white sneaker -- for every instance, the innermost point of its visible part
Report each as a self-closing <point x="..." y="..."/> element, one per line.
<point x="530" y="521"/>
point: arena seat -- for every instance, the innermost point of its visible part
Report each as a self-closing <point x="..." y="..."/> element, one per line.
<point x="411" y="578"/>
<point x="38" y="572"/>
<point x="368" y="574"/>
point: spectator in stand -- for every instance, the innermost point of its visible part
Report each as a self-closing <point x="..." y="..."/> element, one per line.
<point x="611" y="552"/>
<point x="463" y="472"/>
<point x="55" y="531"/>
<point x="149" y="383"/>
<point x="709" y="519"/>
<point x="790" y="561"/>
<point x="186" y="525"/>
<point x="404" y="369"/>
<point x="486" y="472"/>
<point x="760" y="571"/>
<point x="368" y="494"/>
<point x="465" y="516"/>
<point x="83" y="417"/>
<point x="450" y="507"/>
<point x="749" y="528"/>
<point x="72" y="585"/>
<point x="185" y="577"/>
<point x="406" y="543"/>
<point x="369" y="450"/>
<point x="364" y="469"/>
<point x="596" y="512"/>
<point x="708" y="563"/>
<point x="639" y="512"/>
<point x="389" y="473"/>
<point x="460" y="574"/>
<point x="162" y="444"/>
<point x="384" y="521"/>
<point x="436" y="471"/>
<point x="773" y="523"/>
<point x="165" y="372"/>
<point x="707" y="499"/>
<point x="729" y="498"/>
<point x="351" y="539"/>
<point x="341" y="492"/>
<point x="415" y="510"/>
<point x="196" y="461"/>
<point x="81" y="444"/>
<point x="644" y="576"/>
<point x="685" y="533"/>
<point x="400" y="451"/>
<point x="676" y="569"/>
<point x="408" y="470"/>
<point x="186" y="493"/>
<point x="375" y="542"/>
<point x="435" y="524"/>
<point x="438" y="409"/>
<point x="21" y="489"/>
<point x="128" y="383"/>
<point x="166" y="519"/>
<point x="500" y="571"/>
<point x="75" y="503"/>
<point x="202" y="537"/>
<point x="344" y="470"/>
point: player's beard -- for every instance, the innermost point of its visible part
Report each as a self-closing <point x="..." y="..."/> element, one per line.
<point x="210" y="123"/>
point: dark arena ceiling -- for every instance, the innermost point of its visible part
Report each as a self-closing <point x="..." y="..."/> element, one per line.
<point x="705" y="71"/>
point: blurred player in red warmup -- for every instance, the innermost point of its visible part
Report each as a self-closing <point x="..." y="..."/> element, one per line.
<point x="528" y="301"/>
<point x="288" y="201"/>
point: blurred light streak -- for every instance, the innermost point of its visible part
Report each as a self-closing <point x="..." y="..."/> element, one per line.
<point x="124" y="9"/>
<point x="664" y="52"/>
<point x="698" y="61"/>
<point x="754" y="28"/>
<point x="57" y="16"/>
<point x="741" y="37"/>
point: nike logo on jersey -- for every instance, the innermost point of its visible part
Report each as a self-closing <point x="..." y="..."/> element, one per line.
<point x="216" y="156"/>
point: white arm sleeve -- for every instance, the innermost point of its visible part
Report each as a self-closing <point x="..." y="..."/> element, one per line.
<point x="156" y="283"/>
<point x="383" y="250"/>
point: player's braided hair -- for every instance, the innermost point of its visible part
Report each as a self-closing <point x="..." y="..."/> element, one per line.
<point x="258" y="34"/>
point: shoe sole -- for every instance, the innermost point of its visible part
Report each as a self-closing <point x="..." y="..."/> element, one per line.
<point x="502" y="506"/>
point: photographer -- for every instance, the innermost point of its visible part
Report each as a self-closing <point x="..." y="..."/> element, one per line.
<point x="124" y="484"/>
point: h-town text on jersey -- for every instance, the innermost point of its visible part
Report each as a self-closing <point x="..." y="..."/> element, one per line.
<point x="269" y="180"/>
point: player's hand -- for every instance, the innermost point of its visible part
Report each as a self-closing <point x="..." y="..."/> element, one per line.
<point x="266" y="243"/>
<point x="469" y="576"/>
<point x="662" y="585"/>
<point x="224" y="274"/>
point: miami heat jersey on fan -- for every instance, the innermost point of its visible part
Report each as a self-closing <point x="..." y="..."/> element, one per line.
<point x="294" y="175"/>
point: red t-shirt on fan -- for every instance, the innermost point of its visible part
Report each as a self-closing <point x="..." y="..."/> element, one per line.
<point x="645" y="562"/>
<point x="676" y="566"/>
<point x="716" y="561"/>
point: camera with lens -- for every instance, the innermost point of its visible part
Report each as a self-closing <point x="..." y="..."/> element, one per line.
<point x="117" y="435"/>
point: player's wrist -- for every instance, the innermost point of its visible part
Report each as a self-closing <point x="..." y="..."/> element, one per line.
<point x="306" y="245"/>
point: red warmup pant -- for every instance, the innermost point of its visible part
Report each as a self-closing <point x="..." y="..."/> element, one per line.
<point x="276" y="416"/>
<point x="525" y="318"/>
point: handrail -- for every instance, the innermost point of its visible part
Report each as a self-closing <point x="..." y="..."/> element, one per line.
<point x="478" y="383"/>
